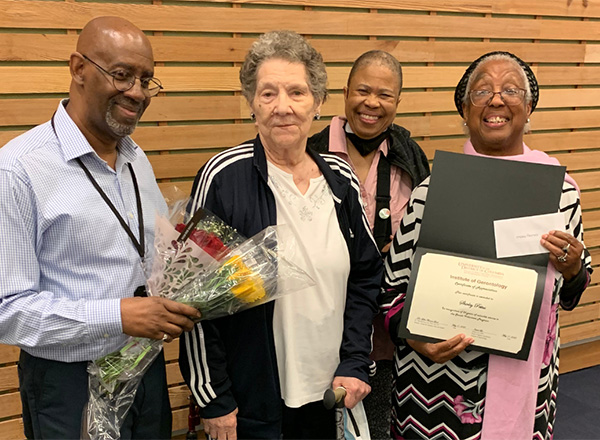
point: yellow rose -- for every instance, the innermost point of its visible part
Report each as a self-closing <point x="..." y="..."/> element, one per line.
<point x="249" y="285"/>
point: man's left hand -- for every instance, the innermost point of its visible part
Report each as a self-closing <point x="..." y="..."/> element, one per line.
<point x="356" y="389"/>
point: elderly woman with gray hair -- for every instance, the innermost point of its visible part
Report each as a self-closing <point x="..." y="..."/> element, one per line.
<point x="444" y="390"/>
<point x="262" y="373"/>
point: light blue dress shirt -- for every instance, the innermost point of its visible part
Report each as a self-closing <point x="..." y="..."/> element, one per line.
<point x="65" y="261"/>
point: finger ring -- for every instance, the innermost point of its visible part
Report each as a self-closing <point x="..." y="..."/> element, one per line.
<point x="165" y="337"/>
<point x="562" y="258"/>
<point x="566" y="247"/>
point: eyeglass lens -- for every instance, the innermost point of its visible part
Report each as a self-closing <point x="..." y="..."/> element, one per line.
<point x="509" y="96"/>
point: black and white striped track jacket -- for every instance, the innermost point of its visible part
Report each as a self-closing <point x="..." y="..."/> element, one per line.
<point x="230" y="362"/>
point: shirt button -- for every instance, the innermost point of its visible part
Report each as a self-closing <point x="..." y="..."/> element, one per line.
<point x="130" y="215"/>
<point x="106" y="335"/>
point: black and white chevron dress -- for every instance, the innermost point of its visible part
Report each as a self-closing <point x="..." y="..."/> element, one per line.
<point x="447" y="401"/>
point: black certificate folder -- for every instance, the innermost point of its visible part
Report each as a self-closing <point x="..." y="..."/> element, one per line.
<point x="466" y="195"/>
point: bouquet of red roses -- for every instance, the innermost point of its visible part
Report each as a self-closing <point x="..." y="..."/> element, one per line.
<point x="204" y="263"/>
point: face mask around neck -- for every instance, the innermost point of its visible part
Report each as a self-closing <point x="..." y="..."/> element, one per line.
<point x="365" y="146"/>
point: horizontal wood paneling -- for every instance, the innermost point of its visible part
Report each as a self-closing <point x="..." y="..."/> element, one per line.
<point x="591" y="294"/>
<point x="59" y="15"/>
<point x="179" y="396"/>
<point x="35" y="79"/>
<point x="595" y="254"/>
<point x="580" y="160"/>
<point x="10" y="404"/>
<point x="563" y="141"/>
<point x="53" y="47"/>
<point x="579" y="356"/>
<point x="189" y="108"/>
<point x="591" y="219"/>
<point x="8" y="354"/>
<point x="534" y="7"/>
<point x="185" y="165"/>
<point x="8" y="378"/>
<point x="12" y="429"/>
<point x="173" y="374"/>
<point x="180" y="420"/>
<point x="178" y="165"/>
<point x="199" y="136"/>
<point x="171" y="350"/>
<point x="200" y="44"/>
<point x="593" y="236"/>
<point x="548" y="142"/>
<point x="591" y="200"/>
<point x="583" y="313"/>
<point x="580" y="332"/>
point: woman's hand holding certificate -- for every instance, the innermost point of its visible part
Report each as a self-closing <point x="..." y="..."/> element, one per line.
<point x="441" y="352"/>
<point x="485" y="301"/>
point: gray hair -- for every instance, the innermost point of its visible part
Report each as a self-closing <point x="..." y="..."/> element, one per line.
<point x="377" y="57"/>
<point x="289" y="46"/>
<point x="502" y="57"/>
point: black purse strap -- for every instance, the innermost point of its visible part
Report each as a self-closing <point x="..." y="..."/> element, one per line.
<point x="382" y="228"/>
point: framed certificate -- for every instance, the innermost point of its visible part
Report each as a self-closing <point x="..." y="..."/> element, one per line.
<point x="457" y="283"/>
<point x="496" y="304"/>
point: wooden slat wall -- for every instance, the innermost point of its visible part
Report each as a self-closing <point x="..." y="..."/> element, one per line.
<point x="199" y="46"/>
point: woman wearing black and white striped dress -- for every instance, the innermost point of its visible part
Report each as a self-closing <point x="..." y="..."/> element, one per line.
<point x="444" y="390"/>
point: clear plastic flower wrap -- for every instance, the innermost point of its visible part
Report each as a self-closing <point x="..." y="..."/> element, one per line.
<point x="245" y="277"/>
<point x="112" y="383"/>
<point x="203" y="263"/>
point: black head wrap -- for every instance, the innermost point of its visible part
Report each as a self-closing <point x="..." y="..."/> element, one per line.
<point x="461" y="87"/>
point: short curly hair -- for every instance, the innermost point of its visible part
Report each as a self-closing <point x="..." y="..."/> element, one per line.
<point x="289" y="46"/>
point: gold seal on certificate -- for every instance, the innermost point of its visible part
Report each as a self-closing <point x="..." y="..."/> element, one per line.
<point x="487" y="301"/>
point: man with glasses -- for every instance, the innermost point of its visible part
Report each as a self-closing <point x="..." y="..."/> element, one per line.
<point x="77" y="204"/>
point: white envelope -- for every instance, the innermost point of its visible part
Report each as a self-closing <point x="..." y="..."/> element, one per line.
<point x="521" y="236"/>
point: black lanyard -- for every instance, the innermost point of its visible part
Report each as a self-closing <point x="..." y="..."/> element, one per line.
<point x="139" y="245"/>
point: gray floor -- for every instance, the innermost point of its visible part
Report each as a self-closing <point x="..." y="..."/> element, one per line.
<point x="578" y="405"/>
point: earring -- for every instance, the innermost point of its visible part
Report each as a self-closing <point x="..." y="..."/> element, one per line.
<point x="528" y="120"/>
<point x="252" y="116"/>
<point x="465" y="123"/>
<point x="317" y="116"/>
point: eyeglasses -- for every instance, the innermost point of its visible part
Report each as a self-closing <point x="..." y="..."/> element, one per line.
<point x="482" y="98"/>
<point x="124" y="80"/>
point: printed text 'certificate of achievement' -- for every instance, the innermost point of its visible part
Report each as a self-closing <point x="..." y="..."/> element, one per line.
<point x="461" y="295"/>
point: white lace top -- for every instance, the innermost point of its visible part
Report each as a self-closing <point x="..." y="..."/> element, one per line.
<point x="308" y="324"/>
